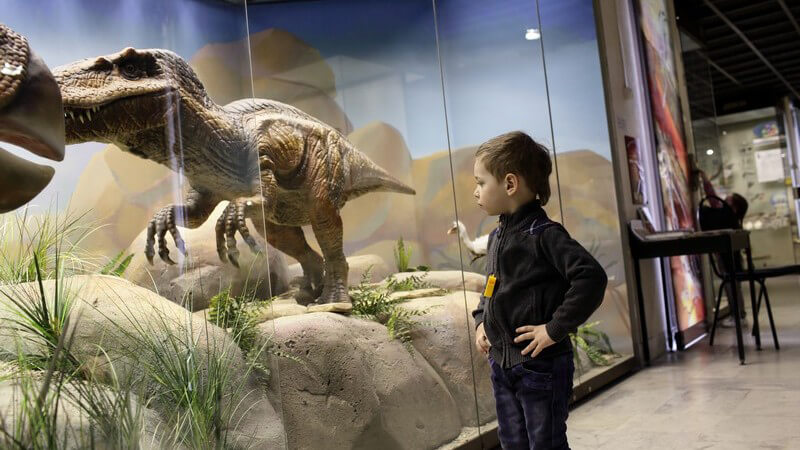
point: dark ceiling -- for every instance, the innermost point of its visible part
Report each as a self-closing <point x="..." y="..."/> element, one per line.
<point x="749" y="51"/>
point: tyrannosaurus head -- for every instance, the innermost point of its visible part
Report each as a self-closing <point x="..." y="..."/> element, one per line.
<point x="111" y="96"/>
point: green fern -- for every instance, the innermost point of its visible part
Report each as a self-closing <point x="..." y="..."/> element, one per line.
<point x="402" y="256"/>
<point x="408" y="284"/>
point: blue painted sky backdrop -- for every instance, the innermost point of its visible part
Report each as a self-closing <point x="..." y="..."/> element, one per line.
<point x="493" y="77"/>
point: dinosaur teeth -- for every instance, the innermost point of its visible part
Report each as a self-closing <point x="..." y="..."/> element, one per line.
<point x="71" y="115"/>
<point x="89" y="115"/>
<point x="80" y="116"/>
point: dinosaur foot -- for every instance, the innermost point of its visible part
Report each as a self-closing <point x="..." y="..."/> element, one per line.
<point x="303" y="292"/>
<point x="334" y="294"/>
<point x="231" y="221"/>
<point x="163" y="221"/>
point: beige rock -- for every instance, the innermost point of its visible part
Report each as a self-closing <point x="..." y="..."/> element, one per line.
<point x="117" y="316"/>
<point x="380" y="216"/>
<point x="447" y="344"/>
<point x="446" y="279"/>
<point x="194" y="281"/>
<point x="356" y="387"/>
<point x="378" y="268"/>
<point x="417" y="293"/>
<point x="276" y="310"/>
<point x="284" y="68"/>
<point x="339" y="307"/>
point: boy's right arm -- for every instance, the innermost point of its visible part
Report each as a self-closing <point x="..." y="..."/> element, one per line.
<point x="477" y="314"/>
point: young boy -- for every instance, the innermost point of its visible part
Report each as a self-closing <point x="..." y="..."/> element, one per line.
<point x="541" y="285"/>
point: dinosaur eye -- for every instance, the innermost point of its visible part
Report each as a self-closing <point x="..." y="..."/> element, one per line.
<point x="130" y="71"/>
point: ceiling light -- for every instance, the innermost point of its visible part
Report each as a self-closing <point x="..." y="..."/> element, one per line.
<point x="710" y="152"/>
<point x="532" y="34"/>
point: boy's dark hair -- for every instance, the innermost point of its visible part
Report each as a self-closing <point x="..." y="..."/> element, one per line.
<point x="518" y="153"/>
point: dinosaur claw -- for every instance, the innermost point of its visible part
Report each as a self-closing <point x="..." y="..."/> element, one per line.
<point x="163" y="253"/>
<point x="254" y="247"/>
<point x="233" y="260"/>
<point x="180" y="245"/>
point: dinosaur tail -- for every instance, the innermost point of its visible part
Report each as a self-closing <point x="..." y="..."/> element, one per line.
<point x="366" y="176"/>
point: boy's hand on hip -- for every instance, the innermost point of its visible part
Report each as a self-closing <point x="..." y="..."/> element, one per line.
<point x="538" y="336"/>
<point x="481" y="341"/>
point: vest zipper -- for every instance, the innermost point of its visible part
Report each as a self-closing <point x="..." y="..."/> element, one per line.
<point x="501" y="236"/>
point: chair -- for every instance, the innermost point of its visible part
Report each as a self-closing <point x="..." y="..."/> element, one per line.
<point x="720" y="218"/>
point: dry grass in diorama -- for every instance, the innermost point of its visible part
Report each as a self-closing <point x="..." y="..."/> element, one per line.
<point x="47" y="236"/>
<point x="45" y="376"/>
<point x="193" y="390"/>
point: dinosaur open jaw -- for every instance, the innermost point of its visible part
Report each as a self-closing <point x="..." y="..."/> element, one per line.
<point x="85" y="114"/>
<point x="81" y="114"/>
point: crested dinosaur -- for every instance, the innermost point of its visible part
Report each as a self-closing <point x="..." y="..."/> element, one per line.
<point x="275" y="164"/>
<point x="30" y="117"/>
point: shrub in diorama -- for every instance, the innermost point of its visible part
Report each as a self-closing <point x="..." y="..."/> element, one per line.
<point x="374" y="302"/>
<point x="594" y="343"/>
<point x="402" y="258"/>
<point x="238" y="315"/>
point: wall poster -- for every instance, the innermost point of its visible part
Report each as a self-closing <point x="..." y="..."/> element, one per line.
<point x="673" y="158"/>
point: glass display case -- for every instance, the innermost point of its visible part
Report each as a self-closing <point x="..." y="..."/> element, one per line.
<point x="751" y="161"/>
<point x="264" y="219"/>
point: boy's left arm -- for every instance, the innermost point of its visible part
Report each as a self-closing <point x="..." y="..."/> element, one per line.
<point x="586" y="277"/>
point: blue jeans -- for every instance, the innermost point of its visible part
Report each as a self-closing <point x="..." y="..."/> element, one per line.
<point x="532" y="403"/>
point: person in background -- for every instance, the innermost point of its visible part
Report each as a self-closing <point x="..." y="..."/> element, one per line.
<point x="739" y="206"/>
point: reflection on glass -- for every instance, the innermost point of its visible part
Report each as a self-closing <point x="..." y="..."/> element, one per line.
<point x="397" y="371"/>
<point x="277" y="198"/>
<point x="144" y="132"/>
<point x="586" y="175"/>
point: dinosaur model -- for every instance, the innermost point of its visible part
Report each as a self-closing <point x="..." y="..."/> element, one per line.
<point x="275" y="164"/>
<point x="30" y="117"/>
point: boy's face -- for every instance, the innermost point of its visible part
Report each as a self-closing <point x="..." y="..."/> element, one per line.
<point x="490" y="193"/>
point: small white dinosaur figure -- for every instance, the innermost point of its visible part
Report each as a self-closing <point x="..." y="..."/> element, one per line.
<point x="477" y="247"/>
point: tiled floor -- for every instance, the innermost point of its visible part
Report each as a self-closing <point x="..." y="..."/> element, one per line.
<point x="702" y="398"/>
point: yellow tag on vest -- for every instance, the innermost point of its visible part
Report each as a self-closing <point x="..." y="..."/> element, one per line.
<point x="489" y="286"/>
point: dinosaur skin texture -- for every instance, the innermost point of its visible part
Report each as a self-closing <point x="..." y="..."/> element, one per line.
<point x="275" y="164"/>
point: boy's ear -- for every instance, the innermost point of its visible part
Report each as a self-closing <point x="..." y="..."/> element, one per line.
<point x="511" y="183"/>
